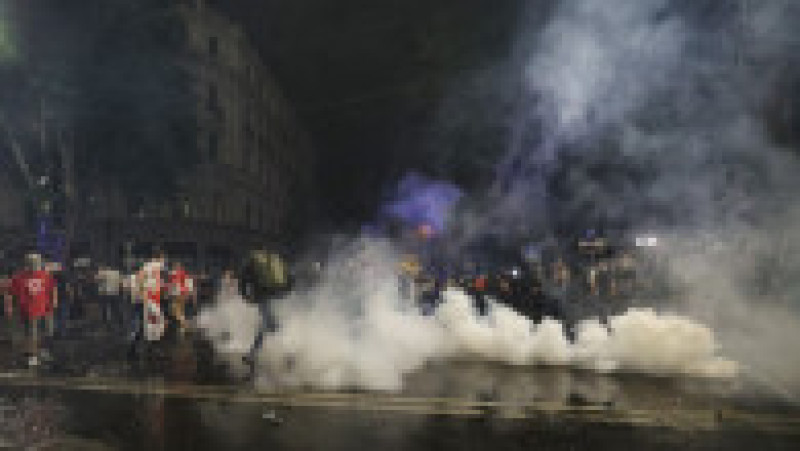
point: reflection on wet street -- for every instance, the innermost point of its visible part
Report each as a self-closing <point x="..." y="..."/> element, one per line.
<point x="193" y="404"/>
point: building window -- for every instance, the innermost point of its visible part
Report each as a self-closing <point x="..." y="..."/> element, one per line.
<point x="248" y="213"/>
<point x="186" y="208"/>
<point x="219" y="209"/>
<point x="250" y="149"/>
<point x="213" y="46"/>
<point x="213" y="147"/>
<point x="137" y="208"/>
<point x="213" y="97"/>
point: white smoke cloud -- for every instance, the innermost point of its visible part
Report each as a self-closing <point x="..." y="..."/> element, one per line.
<point x="597" y="61"/>
<point x="673" y="91"/>
<point x="355" y="331"/>
<point x="231" y="324"/>
<point x="676" y="94"/>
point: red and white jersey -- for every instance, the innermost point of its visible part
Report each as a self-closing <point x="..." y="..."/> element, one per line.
<point x="34" y="291"/>
<point x="150" y="282"/>
<point x="180" y="283"/>
<point x="149" y="285"/>
<point x="154" y="322"/>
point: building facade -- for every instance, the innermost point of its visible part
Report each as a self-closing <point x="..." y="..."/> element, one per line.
<point x="252" y="185"/>
<point x="12" y="211"/>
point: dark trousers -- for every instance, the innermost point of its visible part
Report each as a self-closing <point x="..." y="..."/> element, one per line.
<point x="110" y="309"/>
<point x="268" y="325"/>
<point x="136" y="323"/>
<point x="63" y="315"/>
<point x="481" y="304"/>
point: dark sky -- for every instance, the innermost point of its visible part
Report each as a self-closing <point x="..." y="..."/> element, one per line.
<point x="368" y="79"/>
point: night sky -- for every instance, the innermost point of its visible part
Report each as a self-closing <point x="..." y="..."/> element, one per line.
<point x="368" y="79"/>
<point x="385" y="88"/>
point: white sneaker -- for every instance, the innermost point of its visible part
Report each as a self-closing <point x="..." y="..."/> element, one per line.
<point x="33" y="361"/>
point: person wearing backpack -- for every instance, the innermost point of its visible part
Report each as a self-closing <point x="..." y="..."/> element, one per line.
<point x="263" y="279"/>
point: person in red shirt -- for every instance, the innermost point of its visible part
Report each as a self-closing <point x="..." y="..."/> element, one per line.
<point x="36" y="295"/>
<point x="181" y="289"/>
<point x="479" y="286"/>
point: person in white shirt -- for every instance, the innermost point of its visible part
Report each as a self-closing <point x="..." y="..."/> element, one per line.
<point x="109" y="284"/>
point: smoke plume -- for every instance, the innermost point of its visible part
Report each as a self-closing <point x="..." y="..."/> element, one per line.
<point x="670" y="117"/>
<point x="354" y="330"/>
<point x="634" y="114"/>
<point x="660" y="115"/>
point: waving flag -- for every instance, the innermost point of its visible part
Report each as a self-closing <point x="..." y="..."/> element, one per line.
<point x="154" y="322"/>
<point x="151" y="283"/>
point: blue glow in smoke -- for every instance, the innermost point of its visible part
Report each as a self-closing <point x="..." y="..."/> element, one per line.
<point x="420" y="201"/>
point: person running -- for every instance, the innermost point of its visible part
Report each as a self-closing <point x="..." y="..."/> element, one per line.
<point x="264" y="278"/>
<point x="149" y="287"/>
<point x="36" y="294"/>
<point x="181" y="290"/>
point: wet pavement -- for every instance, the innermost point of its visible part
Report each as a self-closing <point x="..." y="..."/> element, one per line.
<point x="178" y="397"/>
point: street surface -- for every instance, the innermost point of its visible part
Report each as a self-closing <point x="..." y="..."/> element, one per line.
<point x="94" y="397"/>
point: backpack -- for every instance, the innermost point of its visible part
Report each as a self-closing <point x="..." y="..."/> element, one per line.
<point x="266" y="271"/>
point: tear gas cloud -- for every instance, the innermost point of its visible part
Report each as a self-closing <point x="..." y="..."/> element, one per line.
<point x="355" y="330"/>
<point x="660" y="115"/>
<point x="597" y="61"/>
<point x="667" y="99"/>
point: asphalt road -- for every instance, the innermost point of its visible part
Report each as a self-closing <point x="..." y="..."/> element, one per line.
<point x="93" y="397"/>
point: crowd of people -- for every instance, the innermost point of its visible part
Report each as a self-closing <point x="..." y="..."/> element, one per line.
<point x="565" y="287"/>
<point x="44" y="301"/>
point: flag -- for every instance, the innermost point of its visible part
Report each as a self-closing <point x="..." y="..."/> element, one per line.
<point x="154" y="321"/>
<point x="151" y="283"/>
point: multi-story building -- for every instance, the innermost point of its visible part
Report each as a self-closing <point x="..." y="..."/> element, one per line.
<point x="12" y="208"/>
<point x="252" y="184"/>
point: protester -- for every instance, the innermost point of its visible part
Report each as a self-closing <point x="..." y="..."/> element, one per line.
<point x="228" y="285"/>
<point x="264" y="278"/>
<point x="150" y="286"/>
<point x="561" y="277"/>
<point x="36" y="295"/>
<point x="66" y="298"/>
<point x="82" y="285"/>
<point x="134" y="305"/>
<point x="626" y="274"/>
<point x="592" y="280"/>
<point x="205" y="289"/>
<point x="430" y="297"/>
<point x="5" y="292"/>
<point x="181" y="290"/>
<point x="479" y="286"/>
<point x="109" y="283"/>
